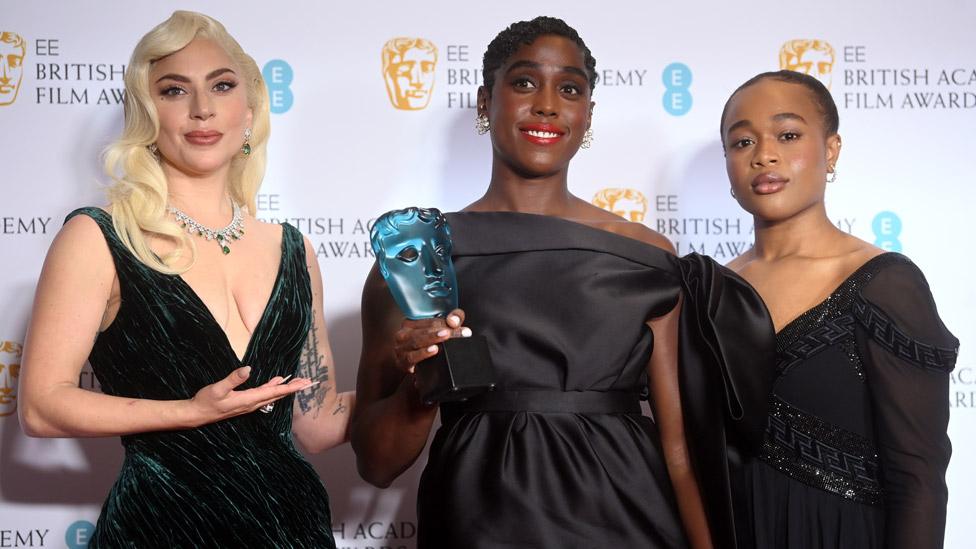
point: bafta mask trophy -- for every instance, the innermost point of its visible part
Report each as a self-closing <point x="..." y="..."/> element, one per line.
<point x="413" y="251"/>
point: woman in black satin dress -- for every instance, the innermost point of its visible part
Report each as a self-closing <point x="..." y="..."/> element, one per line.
<point x="582" y="312"/>
<point x="855" y="450"/>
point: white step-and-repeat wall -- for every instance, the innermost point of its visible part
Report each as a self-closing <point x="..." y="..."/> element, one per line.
<point x="347" y="144"/>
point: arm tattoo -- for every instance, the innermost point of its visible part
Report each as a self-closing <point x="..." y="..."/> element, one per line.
<point x="312" y="366"/>
<point x="340" y="407"/>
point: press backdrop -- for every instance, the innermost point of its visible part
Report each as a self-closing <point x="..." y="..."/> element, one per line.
<point x="351" y="140"/>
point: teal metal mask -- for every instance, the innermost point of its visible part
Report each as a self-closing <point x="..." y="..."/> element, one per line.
<point x="413" y="251"/>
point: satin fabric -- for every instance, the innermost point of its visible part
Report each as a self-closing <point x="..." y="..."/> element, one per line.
<point x="239" y="482"/>
<point x="726" y="353"/>
<point x="564" y="308"/>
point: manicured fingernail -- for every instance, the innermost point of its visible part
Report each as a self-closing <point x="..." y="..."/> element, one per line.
<point x="443" y="333"/>
<point x="454" y="319"/>
<point x="310" y="385"/>
<point x="244" y="372"/>
<point x="432" y="349"/>
<point x="285" y="380"/>
<point x="465" y="332"/>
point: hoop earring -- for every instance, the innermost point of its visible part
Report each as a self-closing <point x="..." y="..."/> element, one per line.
<point x="481" y="124"/>
<point x="732" y="192"/>
<point x="246" y="147"/>
<point x="587" y="141"/>
<point x="832" y="175"/>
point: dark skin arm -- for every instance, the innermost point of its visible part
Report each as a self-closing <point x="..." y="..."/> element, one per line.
<point x="662" y="371"/>
<point x="390" y="425"/>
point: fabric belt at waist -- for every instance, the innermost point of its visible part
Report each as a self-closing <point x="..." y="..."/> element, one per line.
<point x="546" y="401"/>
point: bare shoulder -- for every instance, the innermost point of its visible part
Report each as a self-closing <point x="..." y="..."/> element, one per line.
<point x="79" y="260"/>
<point x="644" y="233"/>
<point x="860" y="252"/>
<point x="81" y="239"/>
<point x="310" y="256"/>
<point x="312" y="264"/>
<point x="740" y="262"/>
<point x="611" y="222"/>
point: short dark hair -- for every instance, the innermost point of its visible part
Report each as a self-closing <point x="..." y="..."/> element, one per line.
<point x="524" y="33"/>
<point x="821" y="96"/>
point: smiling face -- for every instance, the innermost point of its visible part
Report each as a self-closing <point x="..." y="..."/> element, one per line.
<point x="776" y="152"/>
<point x="413" y="250"/>
<point x="539" y="107"/>
<point x="201" y="102"/>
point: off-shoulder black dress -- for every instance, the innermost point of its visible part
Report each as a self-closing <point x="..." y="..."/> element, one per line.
<point x="560" y="455"/>
<point x="856" y="450"/>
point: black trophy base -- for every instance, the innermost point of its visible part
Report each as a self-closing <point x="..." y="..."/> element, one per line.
<point x="461" y="369"/>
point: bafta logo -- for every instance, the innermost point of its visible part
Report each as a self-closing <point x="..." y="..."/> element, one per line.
<point x="813" y="57"/>
<point x="13" y="48"/>
<point x="629" y="204"/>
<point x="9" y="372"/>
<point x="408" y="71"/>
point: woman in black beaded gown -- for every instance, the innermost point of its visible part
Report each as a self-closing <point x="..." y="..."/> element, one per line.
<point x="856" y="450"/>
<point x="192" y="332"/>
<point x="581" y="312"/>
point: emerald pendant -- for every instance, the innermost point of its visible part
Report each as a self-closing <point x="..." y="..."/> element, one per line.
<point x="223" y="237"/>
<point x="246" y="149"/>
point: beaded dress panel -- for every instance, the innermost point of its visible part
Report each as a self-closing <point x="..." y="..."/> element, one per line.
<point x="856" y="449"/>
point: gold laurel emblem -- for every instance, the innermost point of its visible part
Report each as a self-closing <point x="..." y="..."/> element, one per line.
<point x="10" y="353"/>
<point x="629" y="204"/>
<point x="13" y="49"/>
<point x="813" y="57"/>
<point x="408" y="72"/>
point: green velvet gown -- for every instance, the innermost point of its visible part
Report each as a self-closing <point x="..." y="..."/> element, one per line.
<point x="239" y="482"/>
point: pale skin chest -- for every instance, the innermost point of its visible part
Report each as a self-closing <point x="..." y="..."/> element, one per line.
<point x="235" y="288"/>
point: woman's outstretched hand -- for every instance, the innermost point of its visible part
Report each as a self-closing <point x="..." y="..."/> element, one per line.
<point x="220" y="400"/>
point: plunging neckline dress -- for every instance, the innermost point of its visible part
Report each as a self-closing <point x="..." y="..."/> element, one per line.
<point x="239" y="482"/>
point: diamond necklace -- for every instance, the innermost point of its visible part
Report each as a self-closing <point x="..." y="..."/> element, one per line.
<point x="233" y="231"/>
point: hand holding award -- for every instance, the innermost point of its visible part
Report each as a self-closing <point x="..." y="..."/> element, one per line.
<point x="413" y="251"/>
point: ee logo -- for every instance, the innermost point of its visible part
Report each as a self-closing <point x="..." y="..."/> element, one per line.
<point x="278" y="76"/>
<point x="887" y="227"/>
<point x="78" y="534"/>
<point x="677" y="80"/>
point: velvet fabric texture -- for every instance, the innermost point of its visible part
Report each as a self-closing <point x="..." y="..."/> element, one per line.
<point x="239" y="482"/>
<point x="561" y="456"/>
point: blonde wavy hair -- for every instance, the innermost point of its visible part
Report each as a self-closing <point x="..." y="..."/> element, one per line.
<point x="138" y="191"/>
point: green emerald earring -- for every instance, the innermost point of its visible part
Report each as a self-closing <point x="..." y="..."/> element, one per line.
<point x="246" y="147"/>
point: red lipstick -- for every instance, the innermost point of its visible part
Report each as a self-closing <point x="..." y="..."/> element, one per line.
<point x="541" y="134"/>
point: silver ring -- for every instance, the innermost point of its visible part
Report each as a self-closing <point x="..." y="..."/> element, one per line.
<point x="267" y="408"/>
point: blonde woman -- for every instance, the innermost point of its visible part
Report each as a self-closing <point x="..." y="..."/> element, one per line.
<point x="204" y="326"/>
